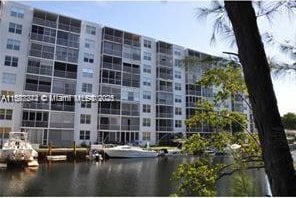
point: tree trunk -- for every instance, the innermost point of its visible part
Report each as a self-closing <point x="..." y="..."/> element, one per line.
<point x="276" y="154"/>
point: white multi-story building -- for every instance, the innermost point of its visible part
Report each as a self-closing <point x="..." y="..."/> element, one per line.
<point x="43" y="53"/>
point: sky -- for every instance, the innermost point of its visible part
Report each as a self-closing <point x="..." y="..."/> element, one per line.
<point x="175" y="22"/>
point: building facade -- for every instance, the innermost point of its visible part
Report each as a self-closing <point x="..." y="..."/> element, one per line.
<point x="48" y="54"/>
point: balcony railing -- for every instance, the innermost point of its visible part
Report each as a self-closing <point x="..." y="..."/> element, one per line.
<point x="165" y="115"/>
<point x="65" y="74"/>
<point x="41" y="37"/>
<point x="39" y="70"/>
<point x="112" y="38"/>
<point x="36" y="87"/>
<point x="164" y="128"/>
<point x="165" y="88"/>
<point x="58" y="107"/>
<point x="109" y="127"/>
<point x="69" y="43"/>
<point x="130" y="113"/>
<point x="61" y="125"/>
<point x="112" y="66"/>
<point x="112" y="52"/>
<point x="67" y="91"/>
<point x="130" y="127"/>
<point x="165" y="76"/>
<point x="69" y="27"/>
<point x="109" y="111"/>
<point x="38" y="53"/>
<point x="35" y="105"/>
<point x="44" y="22"/>
<point x="34" y="123"/>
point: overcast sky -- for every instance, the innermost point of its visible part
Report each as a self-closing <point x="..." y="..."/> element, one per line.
<point x="173" y="22"/>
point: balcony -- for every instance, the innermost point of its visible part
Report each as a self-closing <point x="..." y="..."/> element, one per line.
<point x="34" y="123"/>
<point x="165" y="88"/>
<point x="39" y="70"/>
<point x="130" y="113"/>
<point x="61" y="125"/>
<point x="67" y="91"/>
<point x="109" y="127"/>
<point x="35" y="105"/>
<point x="164" y="128"/>
<point x="130" y="127"/>
<point x="109" y="111"/>
<point x="61" y="107"/>
<point x="69" y="27"/>
<point x="112" y="51"/>
<point x="41" y="37"/>
<point x="44" y="22"/>
<point x="113" y="38"/>
<point x="36" y="87"/>
<point x="113" y="66"/>
<point x="65" y="74"/>
<point x="39" y="53"/>
<point x="66" y="42"/>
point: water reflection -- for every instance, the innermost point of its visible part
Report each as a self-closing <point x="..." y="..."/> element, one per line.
<point x="115" y="177"/>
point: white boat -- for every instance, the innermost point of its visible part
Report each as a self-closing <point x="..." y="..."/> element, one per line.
<point x="127" y="151"/>
<point x="17" y="150"/>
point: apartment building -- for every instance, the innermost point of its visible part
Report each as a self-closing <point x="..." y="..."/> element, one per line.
<point x="45" y="54"/>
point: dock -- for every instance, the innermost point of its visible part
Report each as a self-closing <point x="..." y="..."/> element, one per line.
<point x="78" y="154"/>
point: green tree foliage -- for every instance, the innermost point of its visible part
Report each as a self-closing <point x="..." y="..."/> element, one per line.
<point x="200" y="177"/>
<point x="289" y="121"/>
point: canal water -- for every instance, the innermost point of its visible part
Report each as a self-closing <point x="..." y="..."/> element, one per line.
<point x="114" y="177"/>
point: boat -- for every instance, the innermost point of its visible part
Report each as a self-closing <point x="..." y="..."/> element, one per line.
<point x="127" y="151"/>
<point x="170" y="152"/>
<point x="18" y="151"/>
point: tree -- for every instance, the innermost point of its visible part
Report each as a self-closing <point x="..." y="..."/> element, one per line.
<point x="289" y="121"/>
<point x="276" y="154"/>
<point x="199" y="178"/>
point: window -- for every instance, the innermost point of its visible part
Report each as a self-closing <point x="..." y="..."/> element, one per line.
<point x="178" y="63"/>
<point x="178" y="74"/>
<point x="178" y="98"/>
<point x="147" y="122"/>
<point x="147" y="82"/>
<point x="89" y="58"/>
<point x="11" y="61"/>
<point x="17" y="12"/>
<point x="147" y="43"/>
<point x="13" y="44"/>
<point x="177" y="52"/>
<point x="84" y="135"/>
<point x="178" y="123"/>
<point x="147" y="69"/>
<point x="147" y="56"/>
<point x="87" y="73"/>
<point x="130" y="96"/>
<point x="146" y="108"/>
<point x="85" y="119"/>
<point x="86" y="104"/>
<point x="89" y="44"/>
<point x="15" y="28"/>
<point x="178" y="111"/>
<point x="146" y="136"/>
<point x="9" y="78"/>
<point x="90" y="30"/>
<point x="178" y="86"/>
<point x="147" y="95"/>
<point x="86" y="87"/>
<point x="5" y="114"/>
